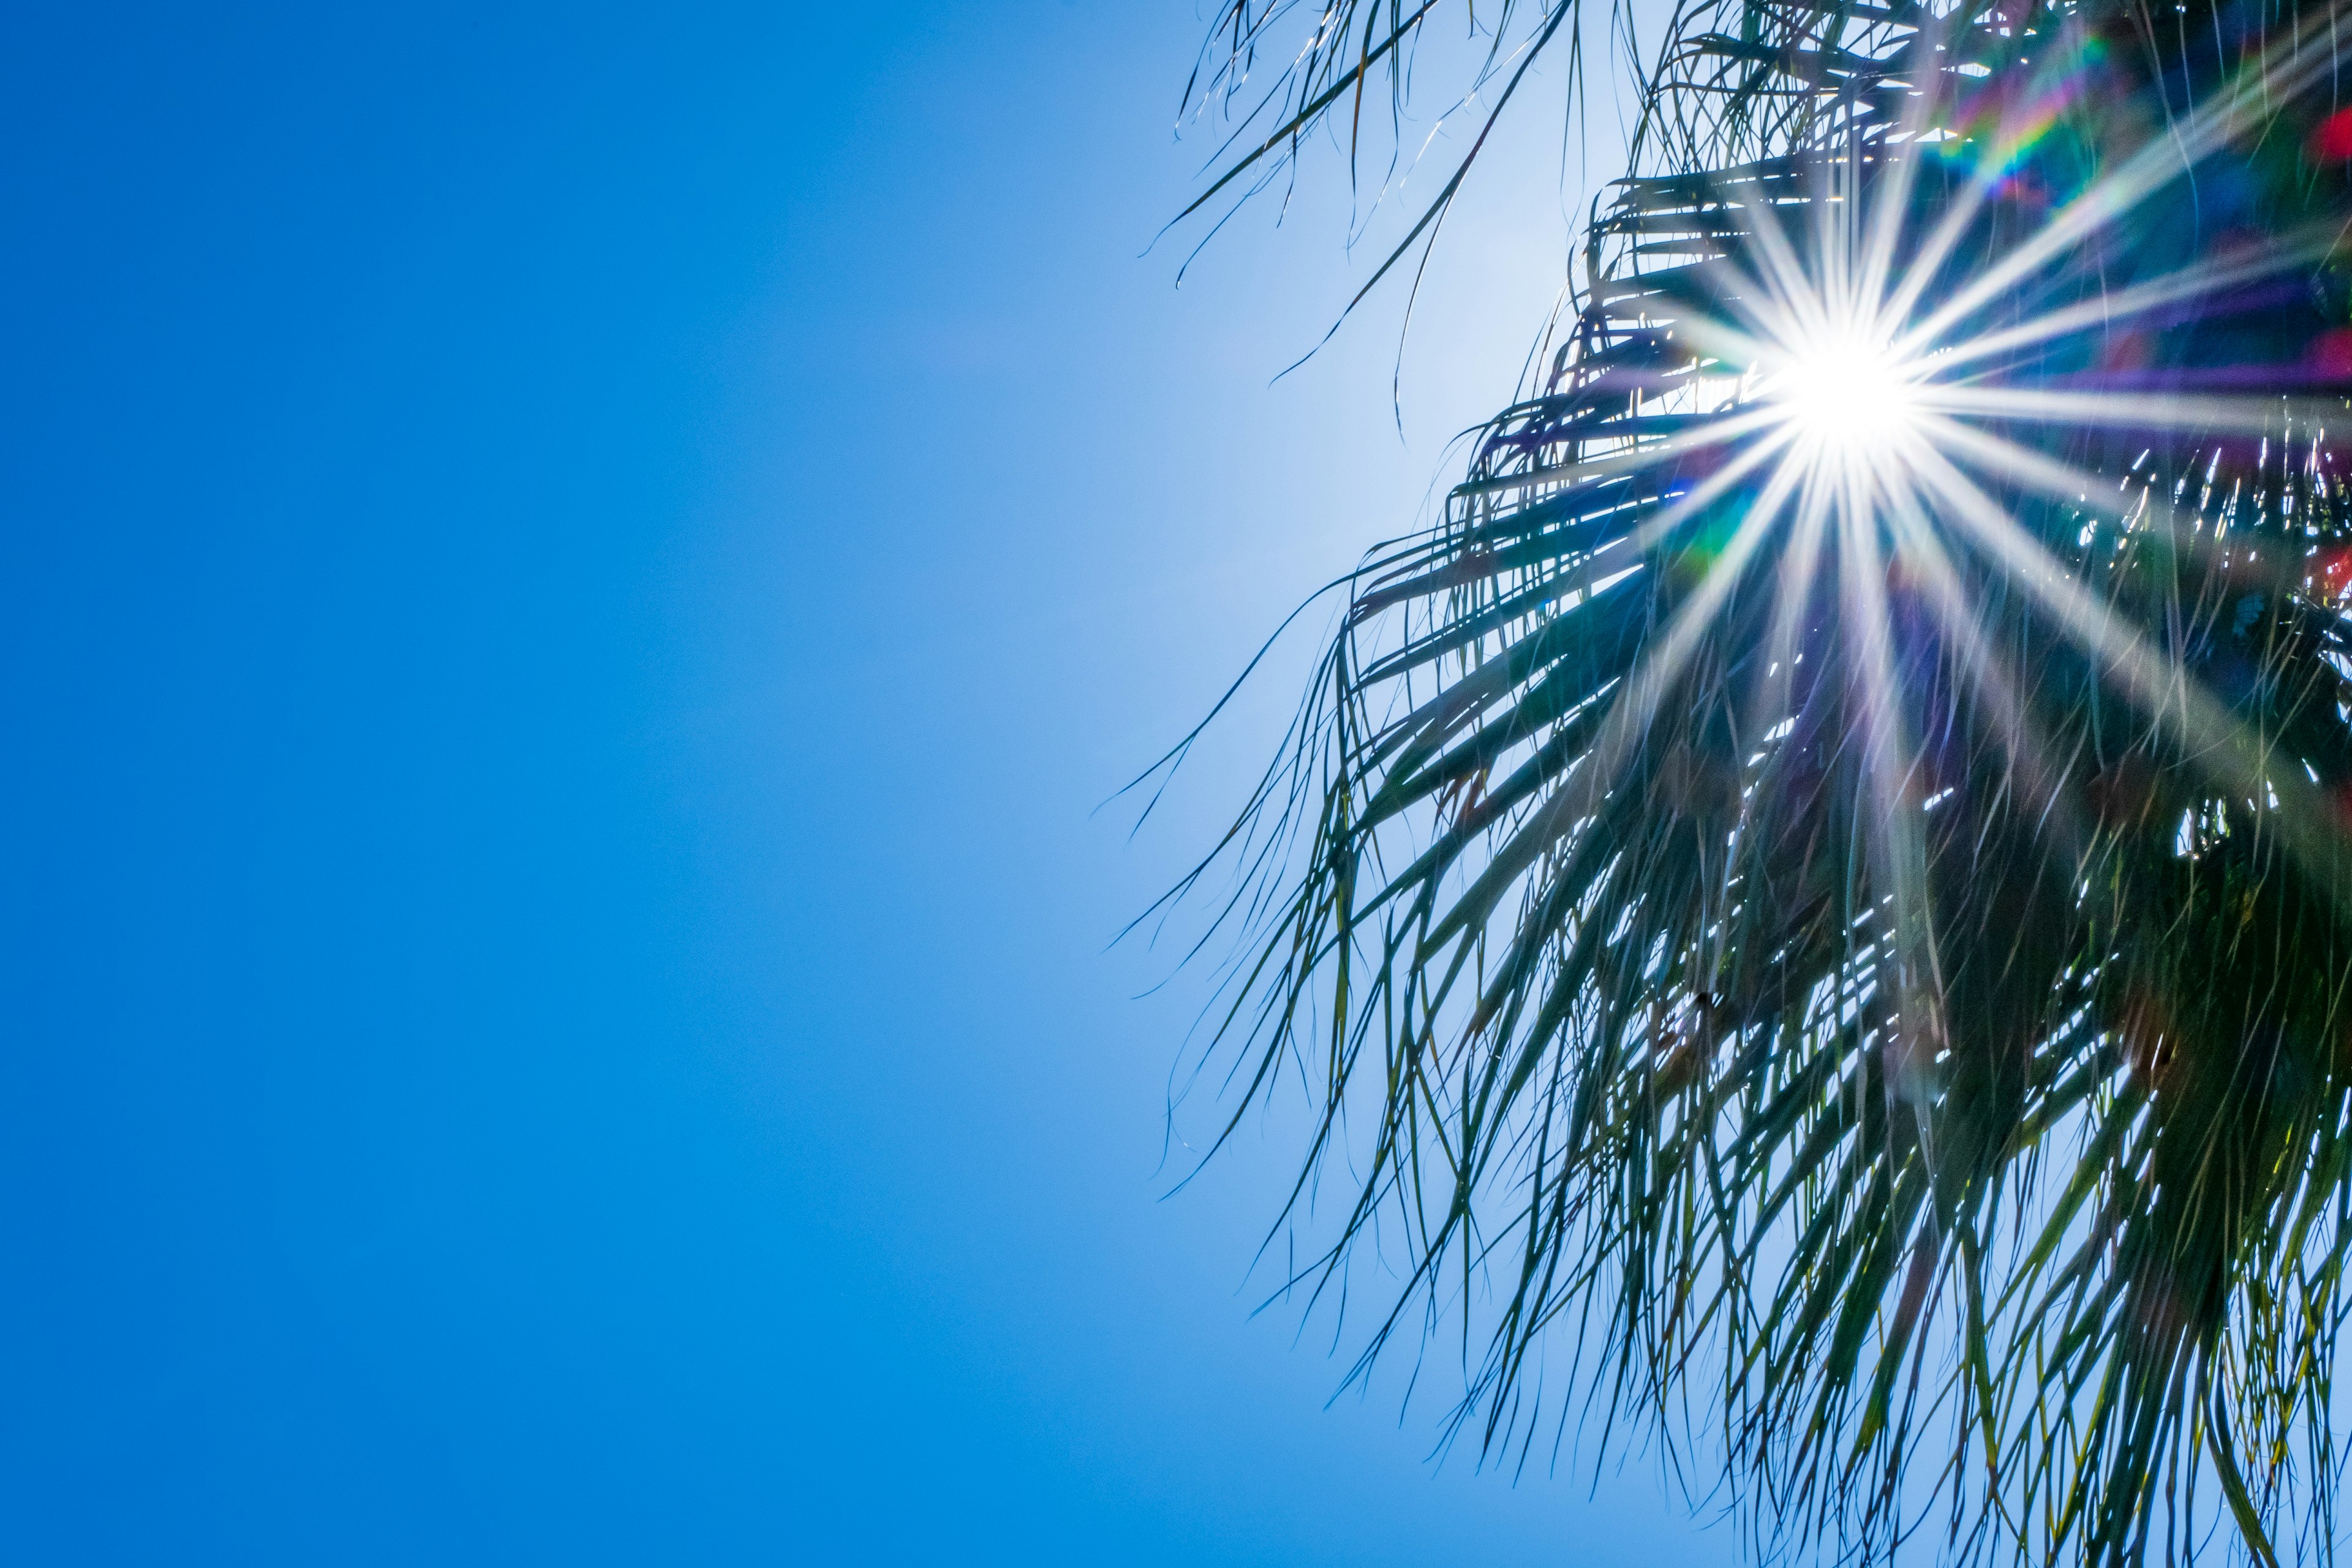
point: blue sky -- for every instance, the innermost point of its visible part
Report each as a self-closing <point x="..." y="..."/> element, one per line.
<point x="575" y="580"/>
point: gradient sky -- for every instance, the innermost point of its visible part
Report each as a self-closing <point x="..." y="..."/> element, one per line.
<point x="574" y="581"/>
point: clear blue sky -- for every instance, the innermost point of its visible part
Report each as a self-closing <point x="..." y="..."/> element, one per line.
<point x="572" y="581"/>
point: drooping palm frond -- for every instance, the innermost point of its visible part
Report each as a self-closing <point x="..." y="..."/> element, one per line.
<point x="1357" y="53"/>
<point x="1842" y="938"/>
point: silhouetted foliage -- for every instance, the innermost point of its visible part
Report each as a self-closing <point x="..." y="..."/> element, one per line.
<point x="1834" y="950"/>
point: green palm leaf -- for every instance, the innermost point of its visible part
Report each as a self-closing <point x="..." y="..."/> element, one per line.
<point x="1845" y="938"/>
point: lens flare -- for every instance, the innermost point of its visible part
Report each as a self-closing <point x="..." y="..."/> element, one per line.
<point x="1846" y="391"/>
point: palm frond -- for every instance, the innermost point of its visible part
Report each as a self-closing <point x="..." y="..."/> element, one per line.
<point x="1848" y="948"/>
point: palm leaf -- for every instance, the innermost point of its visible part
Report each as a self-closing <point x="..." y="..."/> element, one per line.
<point x="1853" y="946"/>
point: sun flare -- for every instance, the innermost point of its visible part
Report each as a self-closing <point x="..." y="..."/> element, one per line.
<point x="1845" y="391"/>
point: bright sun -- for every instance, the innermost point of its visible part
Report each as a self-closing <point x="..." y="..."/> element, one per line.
<point x="1845" y="390"/>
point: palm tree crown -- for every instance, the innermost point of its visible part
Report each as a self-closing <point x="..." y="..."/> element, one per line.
<point x="1815" y="899"/>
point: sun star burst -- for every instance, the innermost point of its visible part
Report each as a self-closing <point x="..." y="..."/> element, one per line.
<point x="1846" y="392"/>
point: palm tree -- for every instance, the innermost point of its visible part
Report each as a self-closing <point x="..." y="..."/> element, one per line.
<point x="1814" y="900"/>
